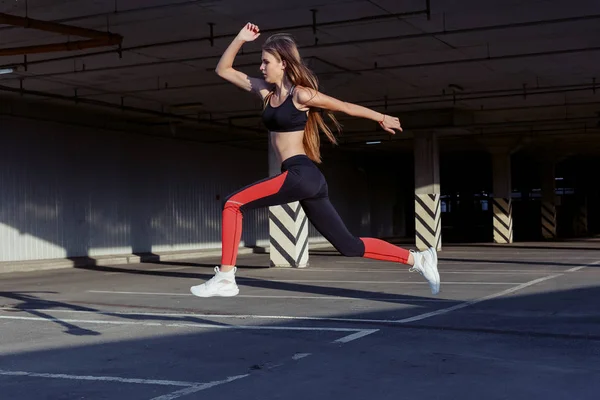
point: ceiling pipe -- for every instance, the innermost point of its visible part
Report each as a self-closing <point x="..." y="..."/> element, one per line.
<point x="413" y="100"/>
<point x="98" y="38"/>
<point x="67" y="46"/>
<point x="521" y="127"/>
<point x="360" y="140"/>
<point x="569" y="121"/>
<point x="26" y="22"/>
<point x="490" y="94"/>
<point x="472" y="60"/>
<point x="530" y="131"/>
<point x="573" y="105"/>
<point x="458" y="97"/>
<point x="475" y="111"/>
<point x="443" y="32"/>
<point x="487" y="94"/>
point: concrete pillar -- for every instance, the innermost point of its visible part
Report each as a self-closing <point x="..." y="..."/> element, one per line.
<point x="581" y="218"/>
<point x="583" y="193"/>
<point x="428" y="227"/>
<point x="548" y="204"/>
<point x="502" y="202"/>
<point x="288" y="228"/>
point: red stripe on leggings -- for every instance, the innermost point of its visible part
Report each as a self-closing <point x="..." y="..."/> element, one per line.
<point x="381" y="250"/>
<point x="260" y="190"/>
<point x="231" y="228"/>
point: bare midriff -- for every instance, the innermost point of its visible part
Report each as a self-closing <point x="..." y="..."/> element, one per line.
<point x="287" y="144"/>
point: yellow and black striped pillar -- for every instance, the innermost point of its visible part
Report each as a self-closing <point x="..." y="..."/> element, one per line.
<point x="501" y="201"/>
<point x="548" y="204"/>
<point x="428" y="230"/>
<point x="428" y="220"/>
<point x="503" y="222"/>
<point x="548" y="220"/>
<point x="288" y="236"/>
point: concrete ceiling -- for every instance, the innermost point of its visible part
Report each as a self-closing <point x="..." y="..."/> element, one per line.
<point x="462" y="67"/>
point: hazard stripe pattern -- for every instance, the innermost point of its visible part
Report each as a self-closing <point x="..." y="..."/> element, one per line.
<point x="503" y="224"/>
<point x="428" y="221"/>
<point x="548" y="220"/>
<point x="288" y="235"/>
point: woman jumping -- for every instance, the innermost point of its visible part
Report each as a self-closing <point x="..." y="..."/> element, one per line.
<point x="291" y="113"/>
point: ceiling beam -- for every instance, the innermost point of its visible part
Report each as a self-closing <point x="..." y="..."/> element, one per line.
<point x="67" y="46"/>
<point x="96" y="38"/>
<point x="26" y="22"/>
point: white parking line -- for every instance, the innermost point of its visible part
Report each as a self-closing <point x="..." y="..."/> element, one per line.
<point x="355" y="336"/>
<point x="279" y="297"/>
<point x="299" y="356"/>
<point x="152" y="269"/>
<point x="189" y="387"/>
<point x="101" y="378"/>
<point x="479" y="300"/>
<point x="493" y="296"/>
<point x="194" y="389"/>
<point x="165" y="269"/>
<point x="344" y="339"/>
<point x="444" y="271"/>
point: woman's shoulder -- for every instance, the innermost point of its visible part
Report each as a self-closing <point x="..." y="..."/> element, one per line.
<point x="303" y="94"/>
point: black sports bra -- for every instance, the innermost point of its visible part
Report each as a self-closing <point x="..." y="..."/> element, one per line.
<point x="284" y="118"/>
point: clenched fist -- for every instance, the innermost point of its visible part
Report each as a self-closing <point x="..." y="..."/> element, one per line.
<point x="249" y="33"/>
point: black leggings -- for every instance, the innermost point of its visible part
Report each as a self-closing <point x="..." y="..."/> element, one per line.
<point x="300" y="180"/>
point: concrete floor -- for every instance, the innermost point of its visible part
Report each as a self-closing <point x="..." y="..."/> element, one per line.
<point x="510" y="322"/>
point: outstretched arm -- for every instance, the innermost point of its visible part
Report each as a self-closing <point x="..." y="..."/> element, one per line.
<point x="312" y="98"/>
<point x="225" y="66"/>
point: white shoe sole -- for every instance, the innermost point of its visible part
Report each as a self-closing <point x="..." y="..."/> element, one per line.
<point x="222" y="293"/>
<point x="436" y="274"/>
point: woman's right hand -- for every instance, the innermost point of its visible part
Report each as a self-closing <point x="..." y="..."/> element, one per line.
<point x="249" y="33"/>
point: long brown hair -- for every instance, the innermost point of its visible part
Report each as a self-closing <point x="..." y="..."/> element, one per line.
<point x="283" y="47"/>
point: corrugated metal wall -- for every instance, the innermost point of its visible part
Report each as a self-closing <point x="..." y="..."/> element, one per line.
<point x="67" y="191"/>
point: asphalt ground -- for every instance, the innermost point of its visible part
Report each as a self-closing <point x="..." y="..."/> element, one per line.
<point x="510" y="322"/>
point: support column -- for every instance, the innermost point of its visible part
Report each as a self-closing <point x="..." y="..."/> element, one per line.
<point x="288" y="228"/>
<point x="428" y="227"/>
<point x="548" y="211"/>
<point x="581" y="225"/>
<point x="502" y="202"/>
<point x="583" y="189"/>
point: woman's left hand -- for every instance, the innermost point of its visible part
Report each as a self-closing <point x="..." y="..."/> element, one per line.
<point x="390" y="123"/>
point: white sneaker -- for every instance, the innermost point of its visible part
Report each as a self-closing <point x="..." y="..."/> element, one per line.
<point x="222" y="284"/>
<point x="426" y="265"/>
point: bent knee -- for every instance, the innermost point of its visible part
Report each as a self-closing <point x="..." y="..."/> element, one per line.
<point x="233" y="207"/>
<point x="354" y="248"/>
<point x="231" y="204"/>
<point x="351" y="252"/>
